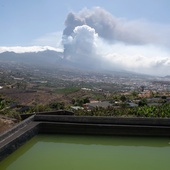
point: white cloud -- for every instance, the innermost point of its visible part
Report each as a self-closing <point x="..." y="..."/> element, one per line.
<point x="86" y="47"/>
<point x="133" y="45"/>
<point x="50" y="41"/>
<point x="80" y="47"/>
<point x="19" y="49"/>
<point x="96" y="38"/>
<point x="146" y="59"/>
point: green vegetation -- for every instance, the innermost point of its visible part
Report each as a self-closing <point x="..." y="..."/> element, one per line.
<point x="33" y="90"/>
<point x="38" y="108"/>
<point x="117" y="109"/>
<point x="57" y="105"/>
<point x="80" y="101"/>
<point x="123" y="98"/>
<point x="142" y="102"/>
<point x="3" y="104"/>
<point x="162" y="111"/>
<point x="6" y="110"/>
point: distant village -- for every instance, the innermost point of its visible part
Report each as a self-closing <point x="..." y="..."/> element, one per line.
<point x="24" y="87"/>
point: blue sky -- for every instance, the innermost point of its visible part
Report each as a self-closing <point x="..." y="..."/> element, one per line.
<point x="140" y="40"/>
<point x="23" y="22"/>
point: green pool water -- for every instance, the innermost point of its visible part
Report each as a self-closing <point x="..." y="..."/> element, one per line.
<point x="78" y="152"/>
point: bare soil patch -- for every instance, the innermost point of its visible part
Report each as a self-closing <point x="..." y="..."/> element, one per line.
<point x="6" y="123"/>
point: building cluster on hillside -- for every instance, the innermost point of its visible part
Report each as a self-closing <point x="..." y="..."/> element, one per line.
<point x="151" y="101"/>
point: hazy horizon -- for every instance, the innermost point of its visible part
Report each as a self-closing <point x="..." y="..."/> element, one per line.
<point x="129" y="35"/>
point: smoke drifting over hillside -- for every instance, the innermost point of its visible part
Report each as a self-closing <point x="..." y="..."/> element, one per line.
<point x="96" y="37"/>
<point x="80" y="47"/>
<point x="107" y="26"/>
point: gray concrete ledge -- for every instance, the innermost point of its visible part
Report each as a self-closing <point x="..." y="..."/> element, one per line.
<point x="13" y="142"/>
<point x="104" y="120"/>
<point x="16" y="128"/>
<point x="103" y="129"/>
<point x="58" y="112"/>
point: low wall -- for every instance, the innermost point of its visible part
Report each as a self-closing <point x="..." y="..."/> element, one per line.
<point x="67" y="124"/>
<point x="16" y="128"/>
<point x="103" y="120"/>
<point x="17" y="136"/>
<point x="104" y="129"/>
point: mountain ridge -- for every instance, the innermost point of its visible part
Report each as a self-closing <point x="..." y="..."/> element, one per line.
<point x="54" y="59"/>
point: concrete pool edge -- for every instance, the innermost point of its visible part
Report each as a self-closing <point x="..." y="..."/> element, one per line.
<point x="66" y="124"/>
<point x="16" y="128"/>
<point x="17" y="136"/>
<point x="103" y="120"/>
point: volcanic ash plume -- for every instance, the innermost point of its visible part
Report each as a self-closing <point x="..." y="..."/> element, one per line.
<point x="95" y="37"/>
<point x="80" y="46"/>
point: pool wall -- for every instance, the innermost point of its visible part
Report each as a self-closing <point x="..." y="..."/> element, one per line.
<point x="17" y="136"/>
<point x="69" y="124"/>
<point x="103" y="125"/>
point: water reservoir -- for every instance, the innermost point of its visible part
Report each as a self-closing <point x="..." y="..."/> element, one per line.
<point x="90" y="152"/>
